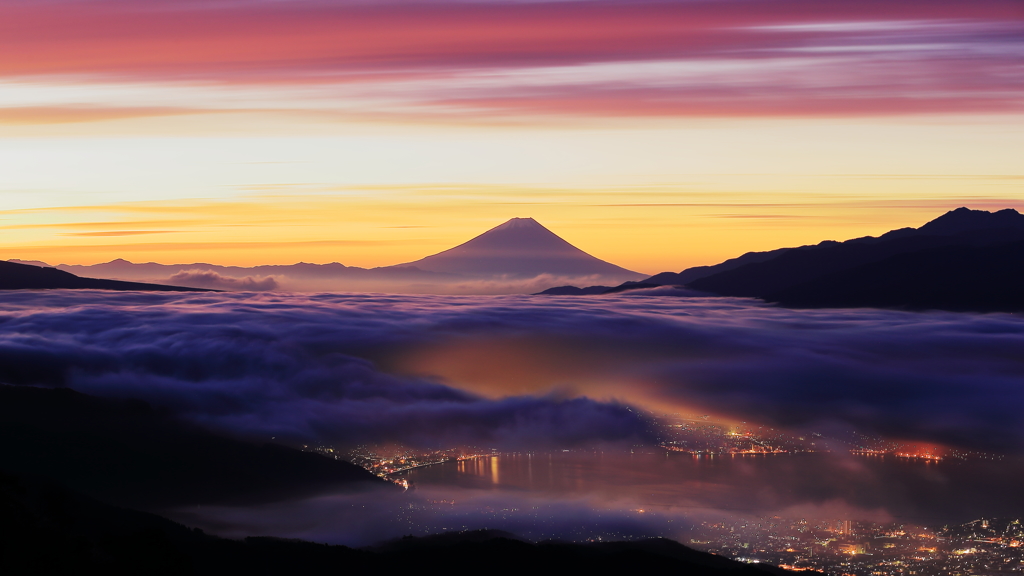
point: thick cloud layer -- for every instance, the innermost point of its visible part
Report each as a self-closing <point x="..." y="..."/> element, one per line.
<point x="276" y="367"/>
<point x="516" y="370"/>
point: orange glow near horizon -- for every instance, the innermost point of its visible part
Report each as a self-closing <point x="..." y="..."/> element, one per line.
<point x="649" y="229"/>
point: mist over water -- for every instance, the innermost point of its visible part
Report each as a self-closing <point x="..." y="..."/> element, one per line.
<point x="809" y="484"/>
<point x="590" y="495"/>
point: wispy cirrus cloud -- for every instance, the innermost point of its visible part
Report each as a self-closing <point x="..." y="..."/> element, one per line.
<point x="120" y="233"/>
<point x="491" y="60"/>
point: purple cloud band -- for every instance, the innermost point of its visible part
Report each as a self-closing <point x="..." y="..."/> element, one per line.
<point x="323" y="367"/>
<point x="487" y="59"/>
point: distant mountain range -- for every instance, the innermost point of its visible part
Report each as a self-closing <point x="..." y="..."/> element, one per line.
<point x="964" y="260"/>
<point x="301" y="276"/>
<point x="518" y="256"/>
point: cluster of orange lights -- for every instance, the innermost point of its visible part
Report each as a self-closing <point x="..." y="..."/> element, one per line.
<point x="733" y="451"/>
<point x="921" y="455"/>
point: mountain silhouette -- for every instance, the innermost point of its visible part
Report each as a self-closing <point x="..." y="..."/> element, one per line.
<point x="960" y="226"/>
<point x="521" y="248"/>
<point x="964" y="220"/>
<point x="967" y="260"/>
<point x="121" y="268"/>
<point x="964" y="260"/>
<point x="15" y="276"/>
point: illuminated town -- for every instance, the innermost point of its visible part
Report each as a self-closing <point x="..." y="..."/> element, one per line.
<point x="699" y="435"/>
<point x="388" y="462"/>
<point x="845" y="547"/>
<point x="836" y="547"/>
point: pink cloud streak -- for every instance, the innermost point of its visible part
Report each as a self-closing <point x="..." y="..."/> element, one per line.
<point x="849" y="57"/>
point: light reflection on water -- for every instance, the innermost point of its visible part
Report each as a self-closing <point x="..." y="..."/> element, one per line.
<point x="877" y="486"/>
<point x="579" y="496"/>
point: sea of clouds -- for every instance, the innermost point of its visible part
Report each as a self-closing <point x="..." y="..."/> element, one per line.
<point x="520" y="371"/>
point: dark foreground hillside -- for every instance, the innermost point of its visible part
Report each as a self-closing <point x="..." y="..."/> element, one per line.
<point x="45" y="529"/>
<point x="65" y="455"/>
<point x="131" y="454"/>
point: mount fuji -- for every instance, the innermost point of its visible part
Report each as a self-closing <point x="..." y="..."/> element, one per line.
<point x="520" y="248"/>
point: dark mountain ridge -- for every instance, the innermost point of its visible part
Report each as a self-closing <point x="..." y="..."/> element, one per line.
<point x="121" y="268"/>
<point x="963" y="225"/>
<point x="17" y="276"/>
<point x="963" y="260"/>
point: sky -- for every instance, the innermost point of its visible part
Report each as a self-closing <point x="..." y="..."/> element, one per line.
<point x="655" y="135"/>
